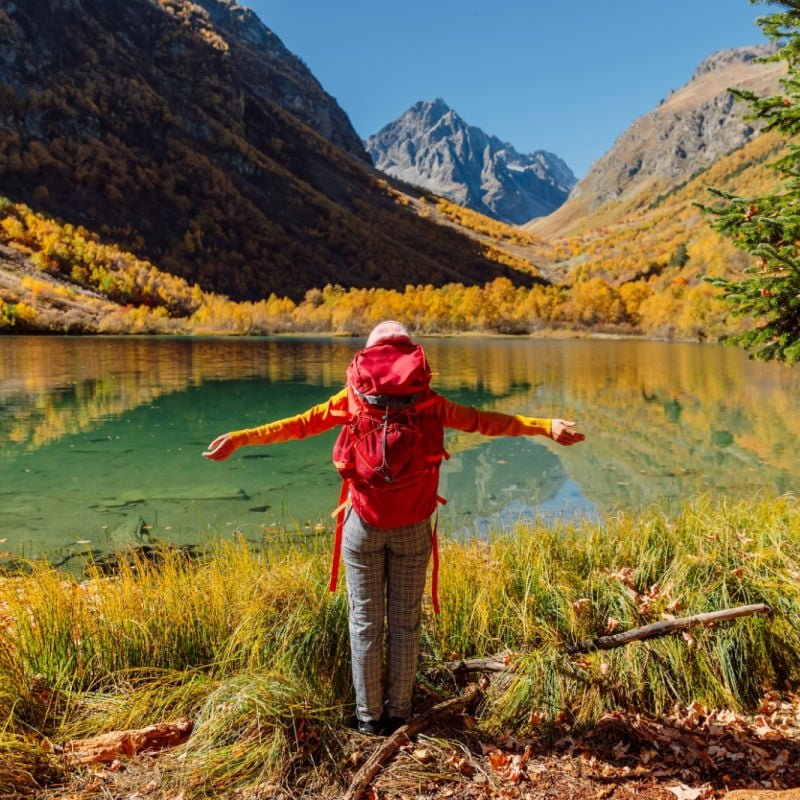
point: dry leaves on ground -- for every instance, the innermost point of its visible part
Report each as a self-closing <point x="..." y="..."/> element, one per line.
<point x="694" y="754"/>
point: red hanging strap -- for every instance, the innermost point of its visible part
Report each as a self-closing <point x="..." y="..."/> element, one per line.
<point x="338" y="513"/>
<point x="435" y="571"/>
<point x="435" y="552"/>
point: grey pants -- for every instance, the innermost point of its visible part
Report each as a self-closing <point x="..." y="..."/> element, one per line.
<point x="385" y="578"/>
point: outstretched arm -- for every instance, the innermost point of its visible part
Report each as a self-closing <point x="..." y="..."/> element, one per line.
<point x="317" y="419"/>
<point x="495" y="423"/>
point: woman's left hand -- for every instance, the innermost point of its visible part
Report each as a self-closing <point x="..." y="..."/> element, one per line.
<point x="561" y="432"/>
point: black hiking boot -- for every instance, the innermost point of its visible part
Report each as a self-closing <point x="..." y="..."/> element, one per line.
<point x="369" y="727"/>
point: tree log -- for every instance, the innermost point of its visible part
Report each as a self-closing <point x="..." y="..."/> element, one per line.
<point x="663" y="628"/>
<point x="111" y="746"/>
<point x="373" y="765"/>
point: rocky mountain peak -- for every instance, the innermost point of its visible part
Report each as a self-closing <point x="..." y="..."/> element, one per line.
<point x="430" y="110"/>
<point x="723" y="59"/>
<point x="431" y="146"/>
<point x="687" y="132"/>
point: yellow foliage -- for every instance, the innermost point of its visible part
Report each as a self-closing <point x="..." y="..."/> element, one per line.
<point x="635" y="276"/>
<point x="632" y="295"/>
<point x="25" y="313"/>
<point x="478" y="223"/>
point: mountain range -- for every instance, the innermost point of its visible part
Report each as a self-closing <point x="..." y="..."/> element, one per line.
<point x="185" y="135"/>
<point x="431" y="146"/>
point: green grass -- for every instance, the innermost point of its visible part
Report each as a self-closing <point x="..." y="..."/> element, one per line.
<point x="253" y="648"/>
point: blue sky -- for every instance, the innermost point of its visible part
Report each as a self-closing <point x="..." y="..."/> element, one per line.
<point x="566" y="76"/>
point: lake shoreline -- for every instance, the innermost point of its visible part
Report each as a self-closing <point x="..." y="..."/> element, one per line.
<point x="545" y="334"/>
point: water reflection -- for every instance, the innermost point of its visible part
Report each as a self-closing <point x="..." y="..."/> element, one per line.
<point x="100" y="438"/>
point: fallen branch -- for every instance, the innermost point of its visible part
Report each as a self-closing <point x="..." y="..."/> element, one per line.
<point x="496" y="663"/>
<point x="663" y="628"/>
<point x="502" y="662"/>
<point x="373" y="765"/>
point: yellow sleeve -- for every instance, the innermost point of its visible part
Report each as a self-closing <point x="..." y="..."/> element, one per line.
<point x="317" y="419"/>
<point x="491" y="423"/>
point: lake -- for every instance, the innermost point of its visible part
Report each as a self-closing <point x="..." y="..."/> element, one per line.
<point x="100" y="438"/>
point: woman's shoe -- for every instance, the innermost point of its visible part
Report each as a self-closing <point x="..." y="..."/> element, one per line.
<point x="370" y="727"/>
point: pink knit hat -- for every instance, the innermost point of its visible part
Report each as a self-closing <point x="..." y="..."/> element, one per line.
<point x="389" y="329"/>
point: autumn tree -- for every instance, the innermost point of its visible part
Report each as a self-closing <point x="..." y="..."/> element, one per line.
<point x="768" y="227"/>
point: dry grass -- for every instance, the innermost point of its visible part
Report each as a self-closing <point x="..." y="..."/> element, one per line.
<point x="253" y="648"/>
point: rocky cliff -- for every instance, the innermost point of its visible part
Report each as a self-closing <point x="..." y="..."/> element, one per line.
<point x="688" y="131"/>
<point x="432" y="147"/>
<point x="188" y="134"/>
<point x="272" y="72"/>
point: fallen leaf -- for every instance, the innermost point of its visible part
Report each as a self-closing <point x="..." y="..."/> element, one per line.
<point x="498" y="760"/>
<point x="464" y="767"/>
<point x="646" y="756"/>
<point x="683" y="792"/>
<point x="423" y="755"/>
<point x="620" y="750"/>
<point x="612" y="623"/>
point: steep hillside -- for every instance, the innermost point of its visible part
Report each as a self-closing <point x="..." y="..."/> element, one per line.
<point x="432" y="147"/>
<point x="187" y="134"/>
<point x="640" y="275"/>
<point x="267" y="69"/>
<point x="690" y="130"/>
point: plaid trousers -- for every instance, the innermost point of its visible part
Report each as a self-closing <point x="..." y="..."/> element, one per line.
<point x="385" y="578"/>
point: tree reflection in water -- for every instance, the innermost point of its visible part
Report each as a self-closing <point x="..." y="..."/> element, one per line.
<point x="99" y="436"/>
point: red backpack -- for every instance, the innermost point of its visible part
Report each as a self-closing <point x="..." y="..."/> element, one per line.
<point x="391" y="447"/>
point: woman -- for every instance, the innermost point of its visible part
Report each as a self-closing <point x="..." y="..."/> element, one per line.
<point x="389" y="451"/>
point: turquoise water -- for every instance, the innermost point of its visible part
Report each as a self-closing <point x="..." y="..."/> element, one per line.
<point x="100" y="439"/>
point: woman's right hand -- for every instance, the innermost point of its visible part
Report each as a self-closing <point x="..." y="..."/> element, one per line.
<point x="220" y="448"/>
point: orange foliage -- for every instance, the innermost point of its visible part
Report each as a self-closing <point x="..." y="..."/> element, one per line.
<point x="83" y="284"/>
